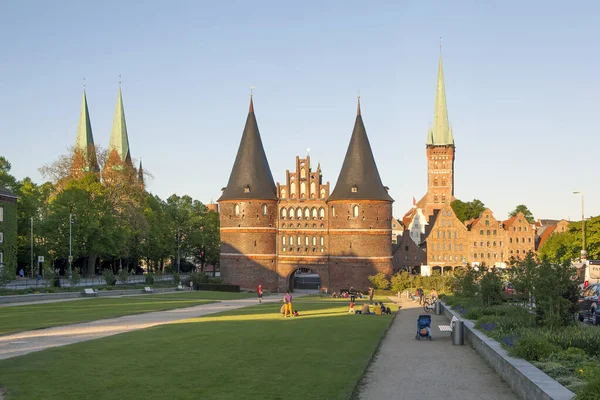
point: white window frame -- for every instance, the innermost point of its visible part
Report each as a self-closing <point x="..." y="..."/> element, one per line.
<point x="1" y="237"/>
<point x="1" y="214"/>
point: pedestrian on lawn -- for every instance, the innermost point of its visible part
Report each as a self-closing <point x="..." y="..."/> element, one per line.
<point x="260" y="293"/>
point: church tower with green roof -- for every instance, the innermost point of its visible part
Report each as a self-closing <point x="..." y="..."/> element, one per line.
<point x="119" y="140"/>
<point x="440" y="151"/>
<point x="84" y="157"/>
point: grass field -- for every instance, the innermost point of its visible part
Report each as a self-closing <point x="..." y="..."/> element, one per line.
<point x="44" y="315"/>
<point x="242" y="354"/>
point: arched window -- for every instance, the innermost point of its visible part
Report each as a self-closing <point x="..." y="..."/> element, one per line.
<point x="355" y="211"/>
<point x="264" y="209"/>
<point x="435" y="181"/>
<point x="314" y="213"/>
<point x="510" y="240"/>
<point x="303" y="173"/>
<point x="435" y="198"/>
<point x="322" y="226"/>
<point x="298" y="213"/>
<point x="435" y="165"/>
<point x="283" y="213"/>
<point x="443" y="198"/>
<point x="303" y="190"/>
<point x="293" y="189"/>
<point x="322" y="193"/>
<point x="443" y="181"/>
<point x="313" y="189"/>
<point x="283" y="193"/>
<point x="283" y="225"/>
<point x="322" y="241"/>
<point x="314" y="241"/>
<point x="333" y="211"/>
<point x="487" y="223"/>
<point x="488" y="244"/>
<point x="291" y="240"/>
<point x="299" y="241"/>
<point x="475" y="244"/>
<point x="321" y="213"/>
<point x="489" y="232"/>
<point x="306" y="213"/>
<point x="283" y="240"/>
<point x="306" y="240"/>
<point x="236" y="209"/>
<point x="443" y="164"/>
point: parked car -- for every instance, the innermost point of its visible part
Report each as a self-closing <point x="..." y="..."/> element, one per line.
<point x="590" y="302"/>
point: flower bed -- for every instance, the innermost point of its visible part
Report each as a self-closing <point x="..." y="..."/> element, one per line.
<point x="570" y="354"/>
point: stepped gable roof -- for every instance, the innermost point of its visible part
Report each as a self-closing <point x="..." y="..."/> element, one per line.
<point x="359" y="178"/>
<point x="510" y="221"/>
<point x="251" y="177"/>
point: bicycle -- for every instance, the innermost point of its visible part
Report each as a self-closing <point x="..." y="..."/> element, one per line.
<point x="429" y="304"/>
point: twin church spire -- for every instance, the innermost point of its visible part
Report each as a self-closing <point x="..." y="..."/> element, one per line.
<point x="84" y="142"/>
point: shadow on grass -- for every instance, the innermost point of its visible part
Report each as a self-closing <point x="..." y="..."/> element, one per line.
<point x="245" y="353"/>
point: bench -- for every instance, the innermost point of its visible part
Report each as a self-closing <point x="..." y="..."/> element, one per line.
<point x="180" y="287"/>
<point x="448" y="328"/>
<point x="148" y="289"/>
<point x="90" y="292"/>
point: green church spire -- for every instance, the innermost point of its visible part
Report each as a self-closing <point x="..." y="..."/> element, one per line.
<point x="84" y="141"/>
<point x="119" y="140"/>
<point x="440" y="133"/>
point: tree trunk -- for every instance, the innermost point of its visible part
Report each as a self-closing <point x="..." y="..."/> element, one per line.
<point x="90" y="267"/>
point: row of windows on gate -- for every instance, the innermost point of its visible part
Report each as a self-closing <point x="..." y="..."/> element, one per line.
<point x="436" y="198"/>
<point x="435" y="181"/>
<point x="406" y="258"/>
<point x="308" y="213"/>
<point x="305" y="225"/>
<point x="307" y="240"/>
<point x="306" y="249"/>
<point x="313" y="190"/>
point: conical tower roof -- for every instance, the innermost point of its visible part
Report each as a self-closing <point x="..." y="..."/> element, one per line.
<point x="84" y="141"/>
<point x="440" y="133"/>
<point x="119" y="140"/>
<point x="251" y="177"/>
<point x="359" y="178"/>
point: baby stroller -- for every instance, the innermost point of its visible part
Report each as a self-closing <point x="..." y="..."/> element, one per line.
<point x="423" y="327"/>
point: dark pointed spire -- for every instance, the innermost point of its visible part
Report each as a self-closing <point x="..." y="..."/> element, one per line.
<point x="251" y="176"/>
<point x="358" y="109"/>
<point x="359" y="178"/>
<point x="141" y="174"/>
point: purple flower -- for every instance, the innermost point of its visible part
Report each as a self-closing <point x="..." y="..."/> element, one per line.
<point x="510" y="340"/>
<point x="488" y="326"/>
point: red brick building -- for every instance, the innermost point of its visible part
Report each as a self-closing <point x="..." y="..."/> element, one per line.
<point x="270" y="231"/>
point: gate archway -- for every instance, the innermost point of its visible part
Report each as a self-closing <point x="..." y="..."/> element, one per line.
<point x="305" y="279"/>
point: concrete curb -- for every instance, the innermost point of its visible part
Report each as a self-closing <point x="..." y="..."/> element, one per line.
<point x="356" y="391"/>
<point x="527" y="381"/>
<point x="26" y="298"/>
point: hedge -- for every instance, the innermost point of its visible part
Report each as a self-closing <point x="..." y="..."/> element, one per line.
<point x="218" y="287"/>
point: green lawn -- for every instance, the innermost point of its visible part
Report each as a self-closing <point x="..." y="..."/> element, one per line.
<point x="44" y="315"/>
<point x="242" y="354"/>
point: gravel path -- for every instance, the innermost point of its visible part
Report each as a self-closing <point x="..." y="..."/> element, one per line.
<point x="405" y="368"/>
<point x="18" y="344"/>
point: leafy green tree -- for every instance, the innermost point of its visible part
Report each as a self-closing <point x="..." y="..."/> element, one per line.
<point x="467" y="210"/>
<point x="6" y="179"/>
<point x="523" y="208"/>
<point x="380" y="281"/>
<point x="562" y="247"/>
<point x="401" y="281"/>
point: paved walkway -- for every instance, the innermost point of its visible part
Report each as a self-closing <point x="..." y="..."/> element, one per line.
<point x="409" y="369"/>
<point x="22" y="343"/>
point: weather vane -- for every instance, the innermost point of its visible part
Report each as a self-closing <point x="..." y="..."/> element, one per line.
<point x="119" y="80"/>
<point x="251" y="87"/>
<point x="84" y="82"/>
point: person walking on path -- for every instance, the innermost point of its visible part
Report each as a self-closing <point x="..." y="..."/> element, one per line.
<point x="371" y="293"/>
<point x="287" y="300"/>
<point x="260" y="293"/>
<point x="420" y="293"/>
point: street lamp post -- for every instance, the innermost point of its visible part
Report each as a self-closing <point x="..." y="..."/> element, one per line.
<point x="31" y="247"/>
<point x="583" y="252"/>
<point x="70" y="245"/>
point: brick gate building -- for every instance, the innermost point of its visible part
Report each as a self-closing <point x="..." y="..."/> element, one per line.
<point x="269" y="231"/>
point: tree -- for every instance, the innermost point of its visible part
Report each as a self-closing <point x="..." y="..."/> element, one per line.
<point x="6" y="179"/>
<point x="401" y="281"/>
<point x="380" y="281"/>
<point x="523" y="209"/>
<point x="467" y="210"/>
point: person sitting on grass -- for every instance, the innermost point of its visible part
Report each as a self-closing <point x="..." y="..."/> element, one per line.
<point x="296" y="313"/>
<point x="377" y="309"/>
<point x="382" y="308"/>
<point x="365" y="309"/>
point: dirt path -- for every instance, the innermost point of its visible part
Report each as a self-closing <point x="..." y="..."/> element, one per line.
<point x="405" y="368"/>
<point x="22" y="343"/>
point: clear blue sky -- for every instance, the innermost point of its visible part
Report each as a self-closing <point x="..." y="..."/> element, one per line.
<point x="521" y="81"/>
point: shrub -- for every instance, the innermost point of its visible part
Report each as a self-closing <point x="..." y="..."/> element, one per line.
<point x="215" y="280"/>
<point x="491" y="288"/>
<point x="75" y="277"/>
<point x="465" y="282"/>
<point x="586" y="338"/>
<point x="533" y="348"/>
<point x="197" y="279"/>
<point x="380" y="281"/>
<point x="109" y="277"/>
<point x="590" y="390"/>
<point x="176" y="278"/>
<point x="556" y="294"/>
<point x="401" y="281"/>
<point x="149" y="279"/>
<point x="123" y="276"/>
<point x="473" y="313"/>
